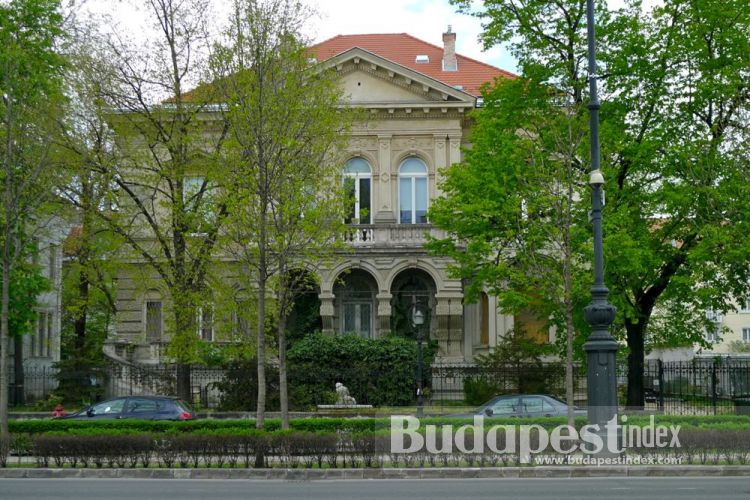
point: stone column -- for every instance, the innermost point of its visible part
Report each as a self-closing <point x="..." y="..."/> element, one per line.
<point x="454" y="155"/>
<point x="440" y="162"/>
<point x="327" y="312"/>
<point x="382" y="181"/>
<point x="383" y="324"/>
<point x="449" y="330"/>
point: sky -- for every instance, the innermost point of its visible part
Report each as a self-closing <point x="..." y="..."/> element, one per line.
<point x="424" y="19"/>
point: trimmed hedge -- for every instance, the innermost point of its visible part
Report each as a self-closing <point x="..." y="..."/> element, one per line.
<point x="293" y="449"/>
<point x="330" y="424"/>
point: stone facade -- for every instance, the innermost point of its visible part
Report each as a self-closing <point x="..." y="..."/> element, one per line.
<point x="415" y="126"/>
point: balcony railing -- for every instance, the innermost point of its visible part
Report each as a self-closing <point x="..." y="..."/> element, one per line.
<point x="390" y="235"/>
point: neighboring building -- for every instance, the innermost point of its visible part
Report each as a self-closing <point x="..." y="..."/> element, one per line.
<point x="418" y="97"/>
<point x="731" y="332"/>
<point x="41" y="348"/>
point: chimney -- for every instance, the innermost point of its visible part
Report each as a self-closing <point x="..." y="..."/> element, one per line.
<point x="450" y="63"/>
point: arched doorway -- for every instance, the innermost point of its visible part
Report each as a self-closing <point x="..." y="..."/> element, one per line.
<point x="354" y="303"/>
<point x="412" y="286"/>
<point x="304" y="315"/>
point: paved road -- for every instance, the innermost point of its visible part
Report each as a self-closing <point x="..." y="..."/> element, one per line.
<point x="686" y="488"/>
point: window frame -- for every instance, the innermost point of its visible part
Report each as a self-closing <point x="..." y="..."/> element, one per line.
<point x="412" y="177"/>
<point x="146" y="302"/>
<point x="357" y="177"/>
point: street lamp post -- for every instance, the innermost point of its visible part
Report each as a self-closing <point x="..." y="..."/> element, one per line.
<point x="417" y="320"/>
<point x="600" y="347"/>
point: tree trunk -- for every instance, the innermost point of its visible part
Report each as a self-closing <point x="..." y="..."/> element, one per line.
<point x="79" y="325"/>
<point x="18" y="375"/>
<point x="4" y="302"/>
<point x="183" y="382"/>
<point x="569" y="332"/>
<point x="283" y="391"/>
<point x="635" y="333"/>
<point x="260" y="414"/>
<point x="184" y="325"/>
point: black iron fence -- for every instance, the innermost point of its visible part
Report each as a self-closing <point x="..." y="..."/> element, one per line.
<point x="701" y="386"/>
<point x="112" y="381"/>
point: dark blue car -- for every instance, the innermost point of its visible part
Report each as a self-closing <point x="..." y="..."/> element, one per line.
<point x="142" y="407"/>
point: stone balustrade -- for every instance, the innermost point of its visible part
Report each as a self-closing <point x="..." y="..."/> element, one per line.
<point x="390" y="235"/>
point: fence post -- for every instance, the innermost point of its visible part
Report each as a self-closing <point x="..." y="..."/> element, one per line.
<point x="713" y="385"/>
<point x="660" y="364"/>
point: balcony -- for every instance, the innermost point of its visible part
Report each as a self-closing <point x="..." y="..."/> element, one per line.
<point x="390" y="235"/>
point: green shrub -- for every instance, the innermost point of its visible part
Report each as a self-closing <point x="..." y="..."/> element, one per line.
<point x="376" y="371"/>
<point x="478" y="390"/>
<point x="239" y="387"/>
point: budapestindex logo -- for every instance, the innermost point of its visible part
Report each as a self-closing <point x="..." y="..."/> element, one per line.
<point x="526" y="440"/>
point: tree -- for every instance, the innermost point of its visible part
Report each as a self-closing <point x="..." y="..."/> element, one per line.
<point x="86" y="151"/>
<point x="30" y="83"/>
<point x="512" y="207"/>
<point x="164" y="160"/>
<point x="287" y="205"/>
<point x="674" y="112"/>
<point x="675" y="135"/>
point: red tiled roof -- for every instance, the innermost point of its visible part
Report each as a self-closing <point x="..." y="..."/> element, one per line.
<point x="403" y="49"/>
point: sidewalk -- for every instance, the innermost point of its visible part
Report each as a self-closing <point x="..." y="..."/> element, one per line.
<point x="416" y="473"/>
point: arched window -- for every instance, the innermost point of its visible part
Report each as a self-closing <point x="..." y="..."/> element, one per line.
<point x="412" y="191"/>
<point x="358" y="181"/>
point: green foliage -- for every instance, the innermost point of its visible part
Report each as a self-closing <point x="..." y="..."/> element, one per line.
<point x="31" y="100"/>
<point x="239" y="387"/>
<point x="376" y="371"/>
<point x="26" y="284"/>
<point x="512" y="208"/>
<point x="739" y="346"/>
<point x="478" y="390"/>
<point x="674" y="154"/>
<point x="515" y="366"/>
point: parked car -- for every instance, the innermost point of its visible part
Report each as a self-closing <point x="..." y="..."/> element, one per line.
<point x="142" y="407"/>
<point x="526" y="405"/>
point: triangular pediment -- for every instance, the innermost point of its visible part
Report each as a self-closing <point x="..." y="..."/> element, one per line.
<point x="369" y="80"/>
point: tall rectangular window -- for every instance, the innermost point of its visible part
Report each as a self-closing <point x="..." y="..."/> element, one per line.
<point x="711" y="336"/>
<point x="240" y="317"/>
<point x="358" y="318"/>
<point x="404" y="197"/>
<point x="206" y="323"/>
<point x="48" y="335"/>
<point x="357" y="180"/>
<point x="153" y="320"/>
<point x="52" y="263"/>
<point x="484" y="335"/>
<point x="41" y="327"/>
<point x="746" y="334"/>
<point x="746" y="305"/>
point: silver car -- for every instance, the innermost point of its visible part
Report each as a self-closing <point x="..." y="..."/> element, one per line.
<point x="527" y="405"/>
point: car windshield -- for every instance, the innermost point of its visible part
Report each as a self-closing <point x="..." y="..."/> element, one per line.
<point x="557" y="400"/>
